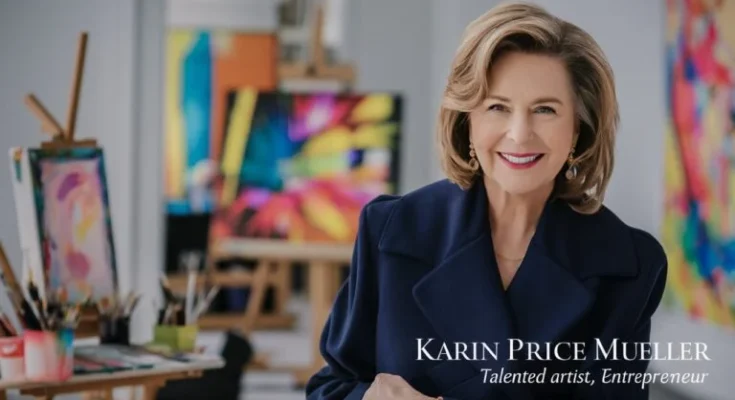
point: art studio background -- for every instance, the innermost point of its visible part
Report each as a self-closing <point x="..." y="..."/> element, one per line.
<point x="156" y="69"/>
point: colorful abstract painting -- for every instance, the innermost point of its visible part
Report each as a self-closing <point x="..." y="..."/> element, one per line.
<point x="300" y="167"/>
<point x="699" y="223"/>
<point x="201" y="68"/>
<point x="66" y="193"/>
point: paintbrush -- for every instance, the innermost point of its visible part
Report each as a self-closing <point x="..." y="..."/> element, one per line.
<point x="204" y="302"/>
<point x="8" y="278"/>
<point x="190" y="293"/>
<point x="168" y="294"/>
<point x="7" y="326"/>
<point x="103" y="306"/>
<point x="38" y="302"/>
<point x="33" y="305"/>
<point x="31" y="316"/>
<point x="14" y="290"/>
<point x="167" y="314"/>
<point x="130" y="304"/>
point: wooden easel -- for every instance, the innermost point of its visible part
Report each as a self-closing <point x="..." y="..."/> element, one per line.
<point x="316" y="66"/>
<point x="63" y="137"/>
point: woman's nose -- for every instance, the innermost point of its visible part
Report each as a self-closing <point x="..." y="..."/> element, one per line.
<point x="520" y="128"/>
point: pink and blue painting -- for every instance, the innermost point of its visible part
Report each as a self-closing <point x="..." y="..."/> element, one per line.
<point x="71" y="213"/>
<point x="699" y="222"/>
<point x="300" y="167"/>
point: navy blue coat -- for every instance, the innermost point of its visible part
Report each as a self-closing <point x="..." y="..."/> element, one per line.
<point x="423" y="268"/>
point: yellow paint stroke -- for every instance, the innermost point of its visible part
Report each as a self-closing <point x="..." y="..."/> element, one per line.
<point x="238" y="130"/>
<point x="373" y="136"/>
<point x="340" y="139"/>
<point x="178" y="45"/>
<point x="373" y="108"/>
<point x="335" y="140"/>
<point x="321" y="213"/>
<point x="83" y="227"/>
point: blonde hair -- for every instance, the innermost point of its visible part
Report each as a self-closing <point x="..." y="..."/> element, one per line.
<point x="528" y="28"/>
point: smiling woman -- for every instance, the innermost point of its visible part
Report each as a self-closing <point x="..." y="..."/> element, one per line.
<point x="515" y="246"/>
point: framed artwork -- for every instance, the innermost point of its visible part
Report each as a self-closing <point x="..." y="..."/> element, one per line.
<point x="699" y="221"/>
<point x="202" y="66"/>
<point x="64" y="219"/>
<point x="300" y="167"/>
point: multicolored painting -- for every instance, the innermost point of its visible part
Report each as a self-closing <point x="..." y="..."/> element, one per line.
<point x="63" y="201"/>
<point x="201" y="68"/>
<point x="699" y="224"/>
<point x="300" y="167"/>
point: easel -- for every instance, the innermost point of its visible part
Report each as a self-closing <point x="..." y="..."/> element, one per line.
<point x="276" y="257"/>
<point x="324" y="263"/>
<point x="63" y="138"/>
<point x="316" y="68"/>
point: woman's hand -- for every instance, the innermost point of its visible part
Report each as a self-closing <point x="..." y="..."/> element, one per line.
<point x="392" y="387"/>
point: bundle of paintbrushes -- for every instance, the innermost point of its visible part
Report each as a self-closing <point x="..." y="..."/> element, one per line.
<point x="187" y="310"/>
<point x="114" y="318"/>
<point x="34" y="309"/>
<point x="118" y="306"/>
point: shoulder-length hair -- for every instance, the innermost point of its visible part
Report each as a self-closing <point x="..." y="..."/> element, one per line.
<point x="531" y="29"/>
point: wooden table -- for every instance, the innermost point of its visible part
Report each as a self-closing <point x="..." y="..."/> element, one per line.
<point x="150" y="379"/>
<point x="324" y="263"/>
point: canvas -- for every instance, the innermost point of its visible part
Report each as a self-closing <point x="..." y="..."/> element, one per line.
<point x="202" y="66"/>
<point x="64" y="219"/>
<point x="300" y="167"/>
<point x="699" y="221"/>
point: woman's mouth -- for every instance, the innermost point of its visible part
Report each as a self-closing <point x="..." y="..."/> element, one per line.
<point x="520" y="160"/>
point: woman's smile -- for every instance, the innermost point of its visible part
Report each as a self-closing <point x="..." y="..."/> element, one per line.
<point x="520" y="160"/>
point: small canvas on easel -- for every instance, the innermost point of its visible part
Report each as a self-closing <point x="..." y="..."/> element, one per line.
<point x="64" y="218"/>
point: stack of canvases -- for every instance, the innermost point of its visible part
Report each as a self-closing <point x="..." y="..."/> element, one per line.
<point x="248" y="161"/>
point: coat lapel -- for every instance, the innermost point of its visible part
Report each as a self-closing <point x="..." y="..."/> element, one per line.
<point x="546" y="298"/>
<point x="464" y="301"/>
<point x="462" y="295"/>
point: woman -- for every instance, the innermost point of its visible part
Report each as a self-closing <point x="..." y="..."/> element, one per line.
<point x="515" y="248"/>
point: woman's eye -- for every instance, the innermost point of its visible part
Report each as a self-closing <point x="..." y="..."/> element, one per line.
<point x="497" y="107"/>
<point x="545" y="110"/>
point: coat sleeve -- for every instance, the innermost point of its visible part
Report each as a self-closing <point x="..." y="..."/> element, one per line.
<point x="348" y="339"/>
<point x="606" y="372"/>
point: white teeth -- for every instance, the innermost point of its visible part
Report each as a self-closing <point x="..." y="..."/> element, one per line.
<point x="520" y="160"/>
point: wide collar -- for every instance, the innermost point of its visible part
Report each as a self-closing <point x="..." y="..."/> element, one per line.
<point x="462" y="295"/>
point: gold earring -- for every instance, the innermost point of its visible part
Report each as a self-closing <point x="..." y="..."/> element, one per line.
<point x="474" y="164"/>
<point x="571" y="168"/>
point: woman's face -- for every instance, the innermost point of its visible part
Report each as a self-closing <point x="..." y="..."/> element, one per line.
<point x="523" y="132"/>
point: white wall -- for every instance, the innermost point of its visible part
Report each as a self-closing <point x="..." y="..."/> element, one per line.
<point x="389" y="42"/>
